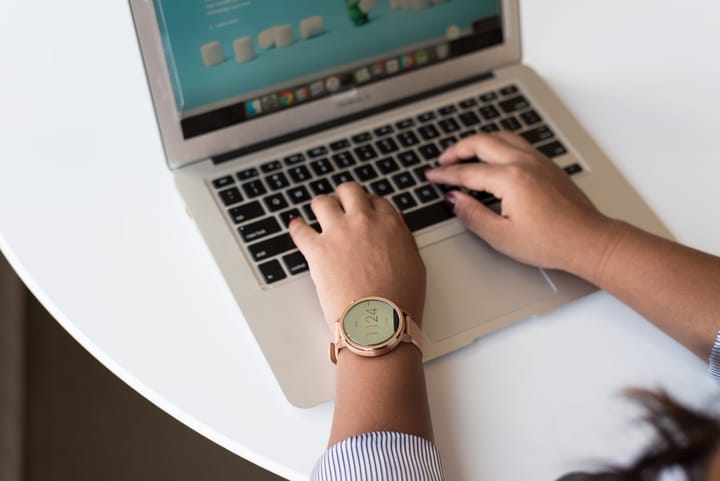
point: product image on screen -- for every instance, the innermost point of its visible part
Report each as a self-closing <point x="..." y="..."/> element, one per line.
<point x="371" y="322"/>
<point x="274" y="54"/>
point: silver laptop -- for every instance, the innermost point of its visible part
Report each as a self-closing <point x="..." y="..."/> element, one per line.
<point x="264" y="104"/>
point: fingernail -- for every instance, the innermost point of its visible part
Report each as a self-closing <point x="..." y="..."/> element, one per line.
<point x="451" y="200"/>
<point x="291" y="219"/>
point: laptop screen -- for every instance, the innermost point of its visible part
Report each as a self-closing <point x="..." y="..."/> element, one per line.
<point x="233" y="61"/>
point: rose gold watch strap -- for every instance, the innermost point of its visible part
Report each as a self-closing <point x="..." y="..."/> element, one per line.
<point x="413" y="331"/>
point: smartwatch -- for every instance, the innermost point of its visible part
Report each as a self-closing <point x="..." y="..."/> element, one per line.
<point x="374" y="326"/>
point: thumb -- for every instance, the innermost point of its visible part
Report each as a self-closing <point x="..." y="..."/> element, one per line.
<point x="475" y="215"/>
<point x="302" y="234"/>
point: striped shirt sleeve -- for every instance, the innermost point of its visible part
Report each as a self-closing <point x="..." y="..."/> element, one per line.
<point x="714" y="362"/>
<point x="380" y="456"/>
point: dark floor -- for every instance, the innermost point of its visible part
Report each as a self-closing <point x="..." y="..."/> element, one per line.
<point x="84" y="424"/>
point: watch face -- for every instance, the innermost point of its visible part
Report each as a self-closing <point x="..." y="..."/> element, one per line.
<point x="371" y="322"/>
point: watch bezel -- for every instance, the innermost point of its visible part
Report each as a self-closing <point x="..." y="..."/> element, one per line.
<point x="375" y="349"/>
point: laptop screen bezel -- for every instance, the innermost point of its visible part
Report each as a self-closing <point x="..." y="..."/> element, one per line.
<point x="180" y="151"/>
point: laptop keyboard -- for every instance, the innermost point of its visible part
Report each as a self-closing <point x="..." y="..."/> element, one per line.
<point x="388" y="160"/>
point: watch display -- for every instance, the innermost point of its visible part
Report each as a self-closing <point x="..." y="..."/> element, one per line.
<point x="371" y="322"/>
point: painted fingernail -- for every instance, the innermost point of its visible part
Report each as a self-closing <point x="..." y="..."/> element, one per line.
<point x="451" y="200"/>
<point x="291" y="219"/>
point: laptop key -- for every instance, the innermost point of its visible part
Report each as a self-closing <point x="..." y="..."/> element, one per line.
<point x="403" y="180"/>
<point x="428" y="132"/>
<point x="254" y="188"/>
<point x="404" y="124"/>
<point x="408" y="139"/>
<point x="289" y="214"/>
<point x="277" y="181"/>
<point x="246" y="212"/>
<point x="491" y="127"/>
<point x="426" y="116"/>
<point x="309" y="214"/>
<point x="387" y="165"/>
<point x="429" y="151"/>
<point x="321" y="186"/>
<point x="538" y="134"/>
<point x="420" y="173"/>
<point x="426" y="193"/>
<point x="362" y="137"/>
<point x="339" y="145"/>
<point x="428" y="215"/>
<point x="509" y="90"/>
<point x="257" y="230"/>
<point x="321" y="166"/>
<point x="488" y="97"/>
<point x="449" y="125"/>
<point x="271" y="247"/>
<point x="573" y="169"/>
<point x="469" y="119"/>
<point x="342" y="177"/>
<point x="448" y="141"/>
<point x="299" y="174"/>
<point x="271" y="166"/>
<point x="387" y="145"/>
<point x="294" y="159"/>
<point x="365" y="172"/>
<point x="223" y="182"/>
<point x="295" y="263"/>
<point x="317" y="151"/>
<point x="530" y="117"/>
<point x="467" y="133"/>
<point x="344" y="160"/>
<point x="365" y="152"/>
<point x="447" y="110"/>
<point x="298" y="194"/>
<point x="489" y="112"/>
<point x="408" y="158"/>
<point x="514" y="104"/>
<point x="230" y="196"/>
<point x="485" y="197"/>
<point x="467" y="103"/>
<point x="275" y="202"/>
<point x="384" y="130"/>
<point x="553" y="149"/>
<point x="511" y="123"/>
<point x="247" y="173"/>
<point x="404" y="201"/>
<point x="382" y="187"/>
<point x="272" y="271"/>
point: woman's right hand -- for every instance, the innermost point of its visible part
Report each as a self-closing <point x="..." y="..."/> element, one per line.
<point x="546" y="220"/>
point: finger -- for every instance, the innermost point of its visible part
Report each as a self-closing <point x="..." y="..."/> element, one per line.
<point x="477" y="217"/>
<point x="515" y="140"/>
<point x="483" y="146"/>
<point x="382" y="205"/>
<point x="353" y="198"/>
<point x="302" y="234"/>
<point x="326" y="209"/>
<point x="474" y="176"/>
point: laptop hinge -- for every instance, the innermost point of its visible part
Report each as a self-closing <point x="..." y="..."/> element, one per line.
<point x="234" y="154"/>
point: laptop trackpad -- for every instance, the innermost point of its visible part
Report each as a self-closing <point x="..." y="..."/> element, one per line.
<point x="468" y="283"/>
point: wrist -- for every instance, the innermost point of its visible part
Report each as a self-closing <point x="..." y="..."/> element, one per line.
<point x="593" y="250"/>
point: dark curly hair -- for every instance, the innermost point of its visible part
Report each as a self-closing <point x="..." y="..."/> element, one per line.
<point x="684" y="439"/>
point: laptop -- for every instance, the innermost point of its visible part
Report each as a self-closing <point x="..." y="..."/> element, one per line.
<point x="263" y="105"/>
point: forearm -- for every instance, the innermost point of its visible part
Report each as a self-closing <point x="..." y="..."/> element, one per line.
<point x="386" y="393"/>
<point x="675" y="287"/>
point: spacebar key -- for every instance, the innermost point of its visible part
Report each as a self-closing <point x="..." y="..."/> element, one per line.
<point x="271" y="247"/>
<point x="428" y="215"/>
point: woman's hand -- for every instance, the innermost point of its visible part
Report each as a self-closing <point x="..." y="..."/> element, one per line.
<point x="365" y="249"/>
<point x="546" y="220"/>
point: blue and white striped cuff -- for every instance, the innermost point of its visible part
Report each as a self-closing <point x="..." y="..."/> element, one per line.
<point x="380" y="456"/>
<point x="714" y="362"/>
